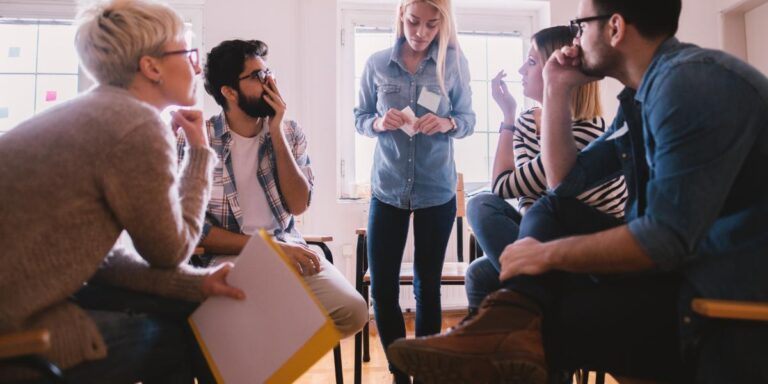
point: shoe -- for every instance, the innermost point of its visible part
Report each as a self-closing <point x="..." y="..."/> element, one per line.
<point x="502" y="344"/>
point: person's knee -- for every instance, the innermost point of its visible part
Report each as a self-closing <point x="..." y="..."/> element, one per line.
<point x="481" y="206"/>
<point x="351" y="316"/>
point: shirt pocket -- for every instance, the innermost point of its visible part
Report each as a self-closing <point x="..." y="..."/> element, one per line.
<point x="389" y="96"/>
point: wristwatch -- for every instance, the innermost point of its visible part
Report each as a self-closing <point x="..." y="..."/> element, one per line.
<point x="506" y="127"/>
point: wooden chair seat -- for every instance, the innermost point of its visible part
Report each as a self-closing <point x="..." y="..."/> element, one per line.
<point x="727" y="309"/>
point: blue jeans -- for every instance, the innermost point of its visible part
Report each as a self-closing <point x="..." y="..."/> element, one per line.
<point x="148" y="339"/>
<point x="496" y="225"/>
<point x="387" y="234"/>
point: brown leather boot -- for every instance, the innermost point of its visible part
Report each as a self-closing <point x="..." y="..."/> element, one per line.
<point x="502" y="344"/>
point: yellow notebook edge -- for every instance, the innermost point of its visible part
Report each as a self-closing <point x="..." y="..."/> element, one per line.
<point x="207" y="354"/>
<point x="313" y="350"/>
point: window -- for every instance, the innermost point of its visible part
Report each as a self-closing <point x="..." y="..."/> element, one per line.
<point x="38" y="68"/>
<point x="487" y="50"/>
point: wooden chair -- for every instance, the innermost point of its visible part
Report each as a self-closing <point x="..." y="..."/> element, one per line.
<point x="25" y="348"/>
<point x="453" y="274"/>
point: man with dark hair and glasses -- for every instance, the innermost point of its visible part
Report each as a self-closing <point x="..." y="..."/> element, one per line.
<point x="264" y="177"/>
<point x="691" y="139"/>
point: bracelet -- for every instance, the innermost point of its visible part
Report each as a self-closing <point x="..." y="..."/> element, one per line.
<point x="506" y="127"/>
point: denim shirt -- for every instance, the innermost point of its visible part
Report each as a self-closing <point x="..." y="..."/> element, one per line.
<point x="414" y="172"/>
<point x="698" y="188"/>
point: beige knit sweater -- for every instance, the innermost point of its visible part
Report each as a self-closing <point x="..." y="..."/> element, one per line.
<point x="71" y="179"/>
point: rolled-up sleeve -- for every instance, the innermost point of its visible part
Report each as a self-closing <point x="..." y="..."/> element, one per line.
<point x="697" y="149"/>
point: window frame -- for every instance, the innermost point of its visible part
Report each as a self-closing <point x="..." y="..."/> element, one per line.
<point x="491" y="21"/>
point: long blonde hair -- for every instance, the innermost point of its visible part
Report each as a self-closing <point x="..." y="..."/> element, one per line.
<point x="446" y="36"/>
<point x="585" y="103"/>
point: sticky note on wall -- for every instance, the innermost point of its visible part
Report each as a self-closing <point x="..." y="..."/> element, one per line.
<point x="50" y="96"/>
<point x="4" y="112"/>
<point x="14" y="52"/>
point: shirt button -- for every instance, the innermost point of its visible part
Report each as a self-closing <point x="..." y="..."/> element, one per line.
<point x="624" y="156"/>
<point x="409" y="160"/>
<point x="411" y="139"/>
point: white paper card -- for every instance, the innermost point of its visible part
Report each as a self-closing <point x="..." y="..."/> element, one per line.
<point x="429" y="100"/>
<point x="408" y="127"/>
<point x="618" y="133"/>
<point x="254" y="340"/>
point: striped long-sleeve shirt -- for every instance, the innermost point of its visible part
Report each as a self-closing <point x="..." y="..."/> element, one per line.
<point x="527" y="182"/>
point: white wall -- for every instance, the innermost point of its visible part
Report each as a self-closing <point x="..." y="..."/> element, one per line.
<point x="756" y="31"/>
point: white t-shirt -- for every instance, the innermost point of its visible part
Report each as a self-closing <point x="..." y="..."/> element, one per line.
<point x="244" y="154"/>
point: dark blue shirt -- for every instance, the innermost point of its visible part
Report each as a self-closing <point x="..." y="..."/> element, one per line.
<point x="695" y="157"/>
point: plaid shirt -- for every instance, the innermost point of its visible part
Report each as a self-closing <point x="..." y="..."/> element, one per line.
<point x="224" y="208"/>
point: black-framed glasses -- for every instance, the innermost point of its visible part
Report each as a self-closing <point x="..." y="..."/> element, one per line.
<point x="259" y="74"/>
<point x="192" y="54"/>
<point x="577" y="25"/>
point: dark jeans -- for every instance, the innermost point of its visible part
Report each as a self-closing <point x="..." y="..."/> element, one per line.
<point x="148" y="339"/>
<point x="495" y="224"/>
<point x="387" y="234"/>
<point x="626" y="325"/>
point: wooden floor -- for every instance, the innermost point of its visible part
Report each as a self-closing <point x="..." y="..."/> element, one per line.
<point x="375" y="371"/>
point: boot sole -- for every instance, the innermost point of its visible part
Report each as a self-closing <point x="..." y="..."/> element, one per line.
<point x="439" y="367"/>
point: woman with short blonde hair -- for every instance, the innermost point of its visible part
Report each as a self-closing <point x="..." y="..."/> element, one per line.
<point x="95" y="166"/>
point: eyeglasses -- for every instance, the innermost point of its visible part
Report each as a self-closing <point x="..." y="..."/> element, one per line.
<point x="577" y="25"/>
<point x="259" y="74"/>
<point x="192" y="54"/>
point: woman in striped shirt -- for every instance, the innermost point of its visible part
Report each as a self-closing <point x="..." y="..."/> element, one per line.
<point x="518" y="172"/>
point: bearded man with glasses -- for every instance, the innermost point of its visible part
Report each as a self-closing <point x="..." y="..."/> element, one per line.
<point x="263" y="177"/>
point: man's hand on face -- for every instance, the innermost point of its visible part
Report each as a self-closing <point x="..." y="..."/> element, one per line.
<point x="563" y="69"/>
<point x="275" y="100"/>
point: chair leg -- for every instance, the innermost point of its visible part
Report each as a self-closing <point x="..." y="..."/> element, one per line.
<point x="358" y="357"/>
<point x="599" y="377"/>
<point x="459" y="239"/>
<point x="366" y="332"/>
<point x="337" y="364"/>
<point x="584" y="377"/>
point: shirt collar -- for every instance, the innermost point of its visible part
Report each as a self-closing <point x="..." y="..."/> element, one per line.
<point x="220" y="126"/>
<point x="396" y="58"/>
<point x="667" y="46"/>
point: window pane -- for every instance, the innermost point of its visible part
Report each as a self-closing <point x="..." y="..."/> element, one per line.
<point x="57" y="49"/>
<point x="366" y="44"/>
<point x="471" y="155"/>
<point x="19" y="104"/>
<point x="505" y="52"/>
<point x="54" y="89"/>
<point x="18" y="48"/>
<point x="474" y="49"/>
<point x="493" y="142"/>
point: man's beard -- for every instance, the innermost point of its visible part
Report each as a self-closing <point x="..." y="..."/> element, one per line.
<point x="604" y="66"/>
<point x="254" y="107"/>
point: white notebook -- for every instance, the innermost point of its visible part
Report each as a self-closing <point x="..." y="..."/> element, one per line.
<point x="275" y="334"/>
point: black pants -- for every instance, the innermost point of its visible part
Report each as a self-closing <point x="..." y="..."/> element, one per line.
<point x="626" y="325"/>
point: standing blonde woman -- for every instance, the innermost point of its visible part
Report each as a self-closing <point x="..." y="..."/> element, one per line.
<point x="414" y="173"/>
<point x="87" y="170"/>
